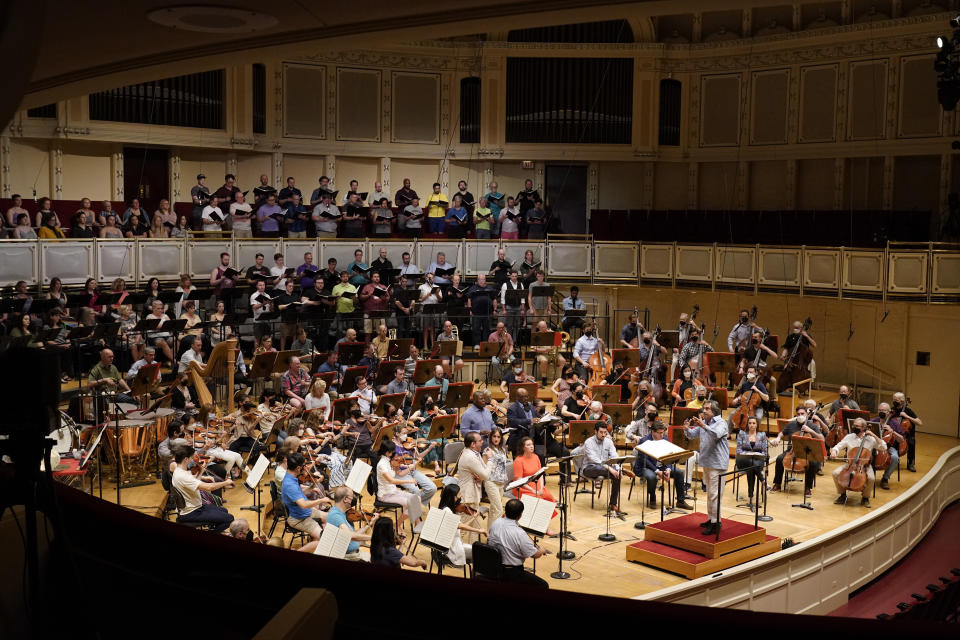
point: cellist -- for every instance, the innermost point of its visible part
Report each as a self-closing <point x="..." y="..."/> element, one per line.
<point x="800" y="425"/>
<point x="586" y="346"/>
<point x="860" y="437"/>
<point x="750" y="383"/>
<point x="902" y="411"/>
<point x="889" y="426"/>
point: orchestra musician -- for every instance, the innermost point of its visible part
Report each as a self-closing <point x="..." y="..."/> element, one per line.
<point x="447" y="336"/>
<point x="798" y="334"/>
<point x="189" y="486"/>
<point x="652" y="473"/>
<point x="739" y="336"/>
<point x="106" y="377"/>
<point x="752" y="383"/>
<point x="527" y="463"/>
<point x="902" y="411"/>
<point x="861" y="436"/>
<point x="520" y="416"/>
<point x="714" y="457"/>
<point x="544" y="354"/>
<point x="639" y="429"/>
<point x="502" y="336"/>
<point x="585" y="346"/>
<point x="889" y="424"/>
<point x="799" y="424"/>
<point x="515" y="375"/>
<point x="439" y="380"/>
<point x="397" y="385"/>
<point x="598" y="449"/>
<point x="391" y="476"/>
<point x="295" y="384"/>
<point x="843" y="402"/>
<point x="630" y="333"/>
<point x="515" y="546"/>
<point x="691" y="354"/>
<point x="685" y="382"/>
<point x="754" y="349"/>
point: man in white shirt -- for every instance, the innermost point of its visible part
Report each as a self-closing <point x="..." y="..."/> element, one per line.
<point x="440" y="263"/>
<point x="277" y="271"/>
<point x="240" y="216"/>
<point x="851" y="444"/>
<point x="514" y="314"/>
<point x="429" y="294"/>
<point x="189" y="487"/>
<point x="326" y="226"/>
<point x="378" y="193"/>
<point x="148" y="358"/>
<point x="193" y="354"/>
<point x="366" y="398"/>
<point x="473" y="469"/>
<point x="586" y="346"/>
<point x="209" y="224"/>
<point x="515" y="546"/>
<point x="599" y="448"/>
<point x="260" y="305"/>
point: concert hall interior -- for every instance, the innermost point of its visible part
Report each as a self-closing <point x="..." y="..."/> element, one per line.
<point x="641" y="308"/>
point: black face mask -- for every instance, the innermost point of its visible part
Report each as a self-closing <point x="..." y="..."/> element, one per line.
<point x="883" y="414"/>
<point x="843" y="396"/>
<point x="429" y="406"/>
<point x="589" y="333"/>
<point x="743" y="320"/>
<point x="356" y="413"/>
<point x="651" y="416"/>
<point x="646" y="341"/>
<point x="694" y="338"/>
<point x="579" y="395"/>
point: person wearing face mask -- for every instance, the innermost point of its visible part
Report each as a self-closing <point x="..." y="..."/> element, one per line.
<point x="630" y="334"/>
<point x="576" y="404"/>
<point x="359" y="433"/>
<point x="520" y="417"/>
<point x="798" y="334"/>
<point x="682" y="384"/>
<point x="640" y="428"/>
<point x="739" y="336"/>
<point x="652" y="472"/>
<point x="699" y="397"/>
<point x="799" y="425"/>
<point x="586" y="346"/>
<point x="860" y="436"/>
<point x="843" y="402"/>
<point x="514" y="376"/>
<point x="889" y="424"/>
<point x="902" y="411"/>
<point x="749" y="383"/>
<point x="750" y="354"/>
<point x="693" y="350"/>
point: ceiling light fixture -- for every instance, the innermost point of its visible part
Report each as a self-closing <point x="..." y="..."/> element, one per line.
<point x="211" y="19"/>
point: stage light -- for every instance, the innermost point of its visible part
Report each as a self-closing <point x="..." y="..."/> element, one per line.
<point x="955" y="22"/>
<point x="940" y="42"/>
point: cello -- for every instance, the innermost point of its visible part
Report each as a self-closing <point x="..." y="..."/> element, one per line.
<point x="853" y="475"/>
<point x="882" y="459"/>
<point x="790" y="461"/>
<point x="750" y="403"/>
<point x="797" y="365"/>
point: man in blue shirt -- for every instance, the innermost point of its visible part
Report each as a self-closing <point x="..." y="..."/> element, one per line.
<point x="302" y="514"/>
<point x="714" y="457"/>
<point x="652" y="472"/>
<point x="358" y="279"/>
<point x="307" y="272"/>
<point x="477" y="418"/>
<point x="572" y="301"/>
<point x="296" y="217"/>
<point x="438" y="380"/>
<point x="440" y="263"/>
<point x="342" y="501"/>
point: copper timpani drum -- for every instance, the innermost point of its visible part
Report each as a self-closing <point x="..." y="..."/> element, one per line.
<point x="135" y="438"/>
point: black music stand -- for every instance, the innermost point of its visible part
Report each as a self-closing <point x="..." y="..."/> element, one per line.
<point x="350" y="353"/>
<point x="385" y="371"/>
<point x="629" y="357"/>
<point x="399" y="346"/>
<point x="447" y="348"/>
<point x="620" y="414"/>
<point x="349" y="384"/>
<point x="606" y="393"/>
<point x="809" y="449"/>
<point x="488" y="351"/>
<point x="339" y="408"/>
<point x="424" y="370"/>
<point x="578" y="431"/>
<point x="385" y="432"/>
<point x="669" y="340"/>
<point x="458" y="395"/>
<point x="423" y="392"/>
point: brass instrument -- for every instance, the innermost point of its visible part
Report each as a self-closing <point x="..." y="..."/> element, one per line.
<point x="392" y="334"/>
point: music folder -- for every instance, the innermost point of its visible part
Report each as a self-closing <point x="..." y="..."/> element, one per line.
<point x="334" y="541"/>
<point x="439" y="529"/>
<point x="536" y="516"/>
<point x="357" y="479"/>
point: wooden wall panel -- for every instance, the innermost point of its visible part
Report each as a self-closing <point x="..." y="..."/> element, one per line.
<point x="720" y="110"/>
<point x="670" y="185"/>
<point x="718" y="185"/>
<point x="818" y="103"/>
<point x="815" y="184"/>
<point x="415" y="110"/>
<point x="358" y="104"/>
<point x="304" y="100"/>
<point x="768" y="185"/>
<point x="868" y="89"/>
<point x="769" y="111"/>
<point x="919" y="113"/>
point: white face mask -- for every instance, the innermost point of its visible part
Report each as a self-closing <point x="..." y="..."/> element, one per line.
<point x="686" y="374"/>
<point x="801" y="419"/>
<point x="751" y="377"/>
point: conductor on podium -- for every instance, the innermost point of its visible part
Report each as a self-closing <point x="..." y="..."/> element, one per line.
<point x="714" y="458"/>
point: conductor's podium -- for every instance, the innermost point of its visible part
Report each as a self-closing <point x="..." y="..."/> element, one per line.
<point x="677" y="546"/>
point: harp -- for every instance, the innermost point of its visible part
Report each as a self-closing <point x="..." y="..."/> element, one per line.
<point x="222" y="364"/>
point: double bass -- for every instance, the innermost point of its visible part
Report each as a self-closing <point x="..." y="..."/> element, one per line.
<point x="751" y="401"/>
<point x="797" y="365"/>
<point x="600" y="364"/>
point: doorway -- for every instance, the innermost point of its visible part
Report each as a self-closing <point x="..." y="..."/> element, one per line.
<point x="566" y="197"/>
<point x="146" y="175"/>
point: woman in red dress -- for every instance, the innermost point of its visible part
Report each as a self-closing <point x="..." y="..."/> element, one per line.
<point x="525" y="464"/>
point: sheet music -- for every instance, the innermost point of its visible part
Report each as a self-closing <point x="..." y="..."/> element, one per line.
<point x="440" y="527"/>
<point x="255" y="475"/>
<point x="658" y="449"/>
<point x="357" y="479"/>
<point x="334" y="541"/>
<point x="536" y="514"/>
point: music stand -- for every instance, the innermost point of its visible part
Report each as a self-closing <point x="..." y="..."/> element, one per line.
<point x="620" y="414"/>
<point x="669" y="340"/>
<point x="339" y="408"/>
<point x="715" y="362"/>
<point x="424" y="370"/>
<point x="679" y="414"/>
<point x="423" y="392"/>
<point x="448" y="348"/>
<point x="578" y="431"/>
<point x="679" y="437"/>
<point x="458" y="395"/>
<point x="385" y="371"/>
<point x="441" y="427"/>
<point x="620" y="460"/>
<point x="545" y="339"/>
<point x="350" y="353"/>
<point x="396" y="399"/>
<point x="606" y="393"/>
<point x="328" y="377"/>
<point x="720" y="395"/>
<point x="385" y="432"/>
<point x="490" y="349"/>
<point x="349" y="383"/>
<point x="400" y="346"/>
<point x="282" y="362"/>
<point x="629" y="357"/>
<point x="262" y="365"/>
<point x="812" y="450"/>
<point x="512" y="297"/>
<point x="146" y="376"/>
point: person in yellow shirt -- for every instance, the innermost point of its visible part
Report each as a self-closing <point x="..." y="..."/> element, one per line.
<point x="437" y="205"/>
<point x="699" y="399"/>
<point x="344" y="304"/>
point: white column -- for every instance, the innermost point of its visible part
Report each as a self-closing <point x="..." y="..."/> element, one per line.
<point x="445" y="176"/>
<point x="330" y="162"/>
<point x="277" y="169"/>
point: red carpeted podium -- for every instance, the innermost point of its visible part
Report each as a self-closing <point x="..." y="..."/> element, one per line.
<point x="677" y="546"/>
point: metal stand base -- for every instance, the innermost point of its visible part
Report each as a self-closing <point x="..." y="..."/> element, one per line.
<point x="606" y="537"/>
<point x="560" y="575"/>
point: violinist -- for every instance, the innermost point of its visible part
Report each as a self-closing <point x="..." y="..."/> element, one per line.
<point x="803" y="426"/>
<point x="861" y="436"/>
<point x="450" y="501"/>
<point x="595" y="413"/>
<point x="892" y="433"/>
<point x="391" y="476"/>
<point x="740" y="334"/>
<point x="903" y="412"/>
<point x="189" y="486"/>
<point x="476" y="418"/>
<point x="563" y="386"/>
<point x="360" y="428"/>
<point x="751" y="383"/>
<point x="318" y="399"/>
<point x="409" y="449"/>
<point x="585" y="346"/>
<point x="423" y="418"/>
<point x="630" y="334"/>
<point x="515" y="375"/>
<point x="576" y="403"/>
<point x="240" y="530"/>
<point x="473" y="470"/>
<point x="343" y="498"/>
<point x="383" y="547"/>
<point x="620" y="377"/>
<point x="302" y="514"/>
<point x="233" y="460"/>
<point x="242" y="437"/>
<point x="639" y="429"/>
<point x="686" y="382"/>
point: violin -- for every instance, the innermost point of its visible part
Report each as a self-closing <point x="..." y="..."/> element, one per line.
<point x="470" y="511"/>
<point x="356" y="515"/>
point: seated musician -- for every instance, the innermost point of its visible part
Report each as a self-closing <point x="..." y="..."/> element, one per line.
<point x="391" y="476"/>
<point x="149" y="355"/>
<point x="599" y="448"/>
<point x="545" y="434"/>
<point x="193" y="354"/>
<point x="572" y="302"/>
<point x="544" y="354"/>
<point x="799" y="333"/>
<point x="381" y="342"/>
<point x="526" y="463"/>
<point x="302" y="514"/>
<point x="563" y="386"/>
<point x="843" y="402"/>
<point x="233" y="461"/>
<point x="384" y="541"/>
<point x="330" y="366"/>
<point x="343" y="498"/>
<point x="640" y="428"/>
<point x="183" y="397"/>
<point x="447" y="336"/>
<point x="515" y="546"/>
<point x="816" y="420"/>
<point x="318" y="399"/>
<point x="515" y="375"/>
<point x="798" y="425"/>
<point x="699" y="397"/>
<point x="162" y="340"/>
<point x="595" y="414"/>
<point x="358" y="434"/>
<point x="240" y="529"/>
<point x="502" y="336"/>
<point x="754" y="349"/>
<point x="585" y="346"/>
<point x="408" y="447"/>
<point x="520" y="417"/>
<point x="682" y="384"/>
<point x="105" y="377"/>
<point x="889" y="425"/>
<point x="477" y="418"/>
<point x="752" y="383"/>
<point x="653" y="473"/>
<point x="902" y="411"/>
<point x="189" y="486"/>
<point x="439" y="380"/>
<point x="295" y="382"/>
<point x="575" y="406"/>
<point x="423" y="419"/>
<point x="752" y="454"/>
<point x="242" y="438"/>
<point x="860" y="436"/>
<point x="693" y="350"/>
<point x="175" y="435"/>
<point x="365" y="396"/>
<point x="369" y="360"/>
<point x="620" y="377"/>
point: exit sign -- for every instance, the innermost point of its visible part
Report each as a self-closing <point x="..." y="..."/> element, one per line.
<point x="527" y="164"/>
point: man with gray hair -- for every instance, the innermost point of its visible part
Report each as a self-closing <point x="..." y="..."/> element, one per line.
<point x="714" y="458"/>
